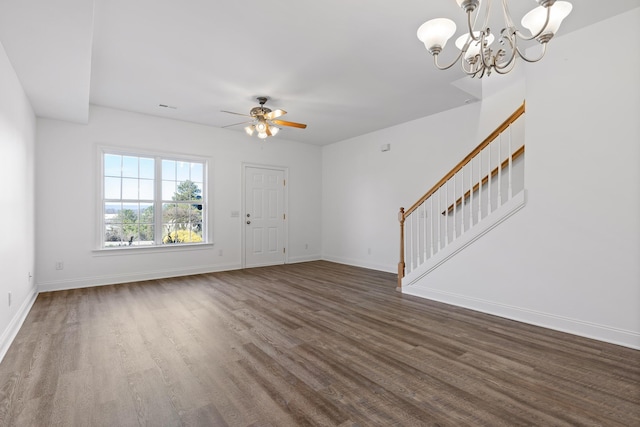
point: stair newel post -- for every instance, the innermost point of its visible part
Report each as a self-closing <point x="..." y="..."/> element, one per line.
<point x="401" y="218"/>
<point x="510" y="192"/>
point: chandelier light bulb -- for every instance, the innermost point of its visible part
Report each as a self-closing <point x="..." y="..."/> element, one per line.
<point x="274" y="130"/>
<point x="435" y="34"/>
<point x="250" y="129"/>
<point x="534" y="20"/>
<point x="262" y="135"/>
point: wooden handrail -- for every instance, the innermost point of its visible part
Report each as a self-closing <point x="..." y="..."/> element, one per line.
<point x="512" y="118"/>
<point x="403" y="214"/>
<point x="519" y="152"/>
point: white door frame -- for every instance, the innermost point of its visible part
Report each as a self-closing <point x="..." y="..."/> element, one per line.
<point x="243" y="215"/>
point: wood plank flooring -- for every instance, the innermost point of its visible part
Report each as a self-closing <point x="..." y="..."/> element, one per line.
<point x="304" y="344"/>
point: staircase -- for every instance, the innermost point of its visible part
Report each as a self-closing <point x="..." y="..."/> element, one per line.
<point x="480" y="192"/>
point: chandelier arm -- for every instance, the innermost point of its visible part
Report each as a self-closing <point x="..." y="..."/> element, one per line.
<point x="507" y="14"/>
<point x="513" y="48"/>
<point x="470" y="26"/>
<point x="506" y="68"/>
<point x="544" y="50"/>
<point x="519" y="34"/>
<point x="483" y="55"/>
<point x="472" y="71"/>
<point x="487" y="14"/>
<point x="446" y="67"/>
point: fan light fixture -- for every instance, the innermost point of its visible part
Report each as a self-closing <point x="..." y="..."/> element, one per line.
<point x="476" y="57"/>
<point x="264" y="120"/>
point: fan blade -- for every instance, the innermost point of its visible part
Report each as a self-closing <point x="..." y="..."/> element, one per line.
<point x="274" y="114"/>
<point x="292" y="124"/>
<point x="268" y="131"/>
<point x="236" y="124"/>
<point x="231" y="112"/>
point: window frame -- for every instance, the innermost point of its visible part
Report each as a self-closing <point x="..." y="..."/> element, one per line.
<point x="157" y="202"/>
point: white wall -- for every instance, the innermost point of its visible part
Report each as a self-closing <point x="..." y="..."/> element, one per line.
<point x="364" y="188"/>
<point x="17" y="244"/>
<point x="66" y="195"/>
<point x="569" y="259"/>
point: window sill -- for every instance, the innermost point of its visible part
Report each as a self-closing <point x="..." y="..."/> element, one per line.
<point x="130" y="250"/>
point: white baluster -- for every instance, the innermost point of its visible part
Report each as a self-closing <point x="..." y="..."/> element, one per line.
<point x="455" y="184"/>
<point x="431" y="228"/>
<point x="510" y="195"/>
<point x="446" y="214"/>
<point x="424" y="226"/>
<point x="500" y="171"/>
<point x="480" y="187"/>
<point x="489" y="181"/>
<point x="462" y="203"/>
<point x="414" y="239"/>
<point x="439" y="224"/>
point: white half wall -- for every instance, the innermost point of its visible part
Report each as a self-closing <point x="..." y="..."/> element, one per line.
<point x="17" y="244"/>
<point x="66" y="194"/>
<point x="569" y="260"/>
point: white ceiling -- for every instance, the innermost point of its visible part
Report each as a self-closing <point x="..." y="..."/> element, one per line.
<point x="345" y="68"/>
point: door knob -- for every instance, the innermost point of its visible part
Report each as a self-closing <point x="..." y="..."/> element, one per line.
<point x="248" y="222"/>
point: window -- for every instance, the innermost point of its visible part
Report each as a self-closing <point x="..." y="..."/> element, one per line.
<point x="152" y="200"/>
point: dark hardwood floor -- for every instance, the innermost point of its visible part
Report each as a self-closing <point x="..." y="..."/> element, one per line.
<point x="303" y="344"/>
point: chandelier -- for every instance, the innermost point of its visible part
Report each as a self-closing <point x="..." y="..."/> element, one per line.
<point x="476" y="56"/>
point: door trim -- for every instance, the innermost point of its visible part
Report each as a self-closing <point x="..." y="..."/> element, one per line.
<point x="243" y="214"/>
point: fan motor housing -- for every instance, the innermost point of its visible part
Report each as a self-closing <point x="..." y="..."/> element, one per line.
<point x="259" y="111"/>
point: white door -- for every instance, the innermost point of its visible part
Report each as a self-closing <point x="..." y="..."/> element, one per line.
<point x="264" y="217"/>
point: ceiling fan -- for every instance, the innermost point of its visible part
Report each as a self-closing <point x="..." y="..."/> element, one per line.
<point x="264" y="120"/>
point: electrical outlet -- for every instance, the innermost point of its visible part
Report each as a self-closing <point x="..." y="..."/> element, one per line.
<point x="369" y="251"/>
<point x="306" y="246"/>
<point x="220" y="252"/>
<point x="59" y="265"/>
<point x="9" y="299"/>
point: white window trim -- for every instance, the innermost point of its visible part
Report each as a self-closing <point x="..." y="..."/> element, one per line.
<point x="101" y="150"/>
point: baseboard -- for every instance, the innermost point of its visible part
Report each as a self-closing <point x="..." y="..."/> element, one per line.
<point x="581" y="328"/>
<point x="9" y="334"/>
<point x="360" y="263"/>
<point x="308" y="258"/>
<point x="86" y="282"/>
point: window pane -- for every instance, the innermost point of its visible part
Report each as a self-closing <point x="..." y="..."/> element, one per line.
<point x="112" y="235"/>
<point x="147" y="168"/>
<point x="169" y="170"/>
<point x="197" y="172"/>
<point x="146" y="189"/>
<point x="112" y="188"/>
<point x="187" y="190"/>
<point x="130" y="166"/>
<point x="168" y="190"/>
<point x="112" y="165"/>
<point x="183" y="169"/>
<point x="128" y="219"/>
<point x="112" y="224"/>
<point x="200" y="189"/>
<point x="129" y="188"/>
<point x="145" y="222"/>
<point x="146" y="235"/>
